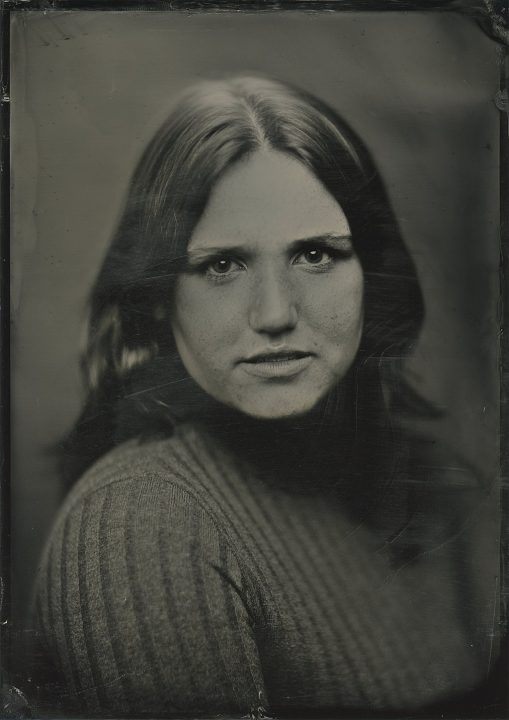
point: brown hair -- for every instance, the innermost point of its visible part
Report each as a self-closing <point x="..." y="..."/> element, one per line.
<point x="131" y="364"/>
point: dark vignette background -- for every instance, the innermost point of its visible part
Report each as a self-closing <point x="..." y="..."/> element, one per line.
<point x="88" y="90"/>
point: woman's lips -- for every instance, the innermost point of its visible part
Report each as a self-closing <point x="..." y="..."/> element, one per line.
<point x="277" y="365"/>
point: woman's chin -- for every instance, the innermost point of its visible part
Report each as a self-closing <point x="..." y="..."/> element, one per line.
<point x="278" y="409"/>
<point x="276" y="415"/>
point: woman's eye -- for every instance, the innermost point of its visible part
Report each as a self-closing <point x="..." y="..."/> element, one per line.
<point x="313" y="256"/>
<point x="223" y="266"/>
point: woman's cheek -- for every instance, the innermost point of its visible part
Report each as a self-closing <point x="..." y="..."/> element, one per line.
<point x="215" y="324"/>
<point x="337" y="308"/>
<point x="350" y="297"/>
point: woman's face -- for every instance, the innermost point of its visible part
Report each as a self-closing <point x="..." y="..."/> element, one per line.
<point x="268" y="316"/>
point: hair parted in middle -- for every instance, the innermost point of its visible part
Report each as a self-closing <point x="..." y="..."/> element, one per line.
<point x="131" y="362"/>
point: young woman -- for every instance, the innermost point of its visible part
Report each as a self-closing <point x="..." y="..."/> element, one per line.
<point x="253" y="530"/>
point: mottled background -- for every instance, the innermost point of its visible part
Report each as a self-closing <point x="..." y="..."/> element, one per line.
<point x="88" y="90"/>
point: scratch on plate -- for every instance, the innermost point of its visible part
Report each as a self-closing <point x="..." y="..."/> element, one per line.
<point x="492" y="633"/>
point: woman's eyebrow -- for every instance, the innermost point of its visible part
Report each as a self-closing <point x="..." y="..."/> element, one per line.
<point x="334" y="239"/>
<point x="213" y="250"/>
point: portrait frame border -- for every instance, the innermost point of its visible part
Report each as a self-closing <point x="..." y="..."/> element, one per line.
<point x="493" y="17"/>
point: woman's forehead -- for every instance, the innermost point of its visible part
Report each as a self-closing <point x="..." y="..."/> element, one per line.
<point x="267" y="196"/>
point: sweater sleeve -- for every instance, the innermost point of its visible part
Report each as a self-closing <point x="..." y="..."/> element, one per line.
<point x="144" y="606"/>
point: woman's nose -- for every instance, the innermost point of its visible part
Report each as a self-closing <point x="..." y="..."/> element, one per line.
<point x="273" y="308"/>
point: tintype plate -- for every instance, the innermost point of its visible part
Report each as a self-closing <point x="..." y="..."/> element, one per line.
<point x="85" y="87"/>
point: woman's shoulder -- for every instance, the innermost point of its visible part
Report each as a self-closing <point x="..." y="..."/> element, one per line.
<point x="186" y="461"/>
<point x="441" y="477"/>
<point x="135" y="548"/>
<point x="444" y="495"/>
<point x="137" y="496"/>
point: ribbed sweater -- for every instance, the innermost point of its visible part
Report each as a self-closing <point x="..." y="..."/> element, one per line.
<point x="181" y="579"/>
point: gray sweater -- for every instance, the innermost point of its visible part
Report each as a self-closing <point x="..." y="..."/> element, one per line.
<point x="180" y="579"/>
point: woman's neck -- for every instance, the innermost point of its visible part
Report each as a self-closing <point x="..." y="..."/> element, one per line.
<point x="307" y="453"/>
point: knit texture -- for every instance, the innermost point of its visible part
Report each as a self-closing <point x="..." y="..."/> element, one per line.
<point x="180" y="579"/>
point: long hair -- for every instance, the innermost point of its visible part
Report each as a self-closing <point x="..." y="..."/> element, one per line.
<point x="135" y="382"/>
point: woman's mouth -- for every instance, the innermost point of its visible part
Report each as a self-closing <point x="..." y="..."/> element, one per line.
<point x="282" y="364"/>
